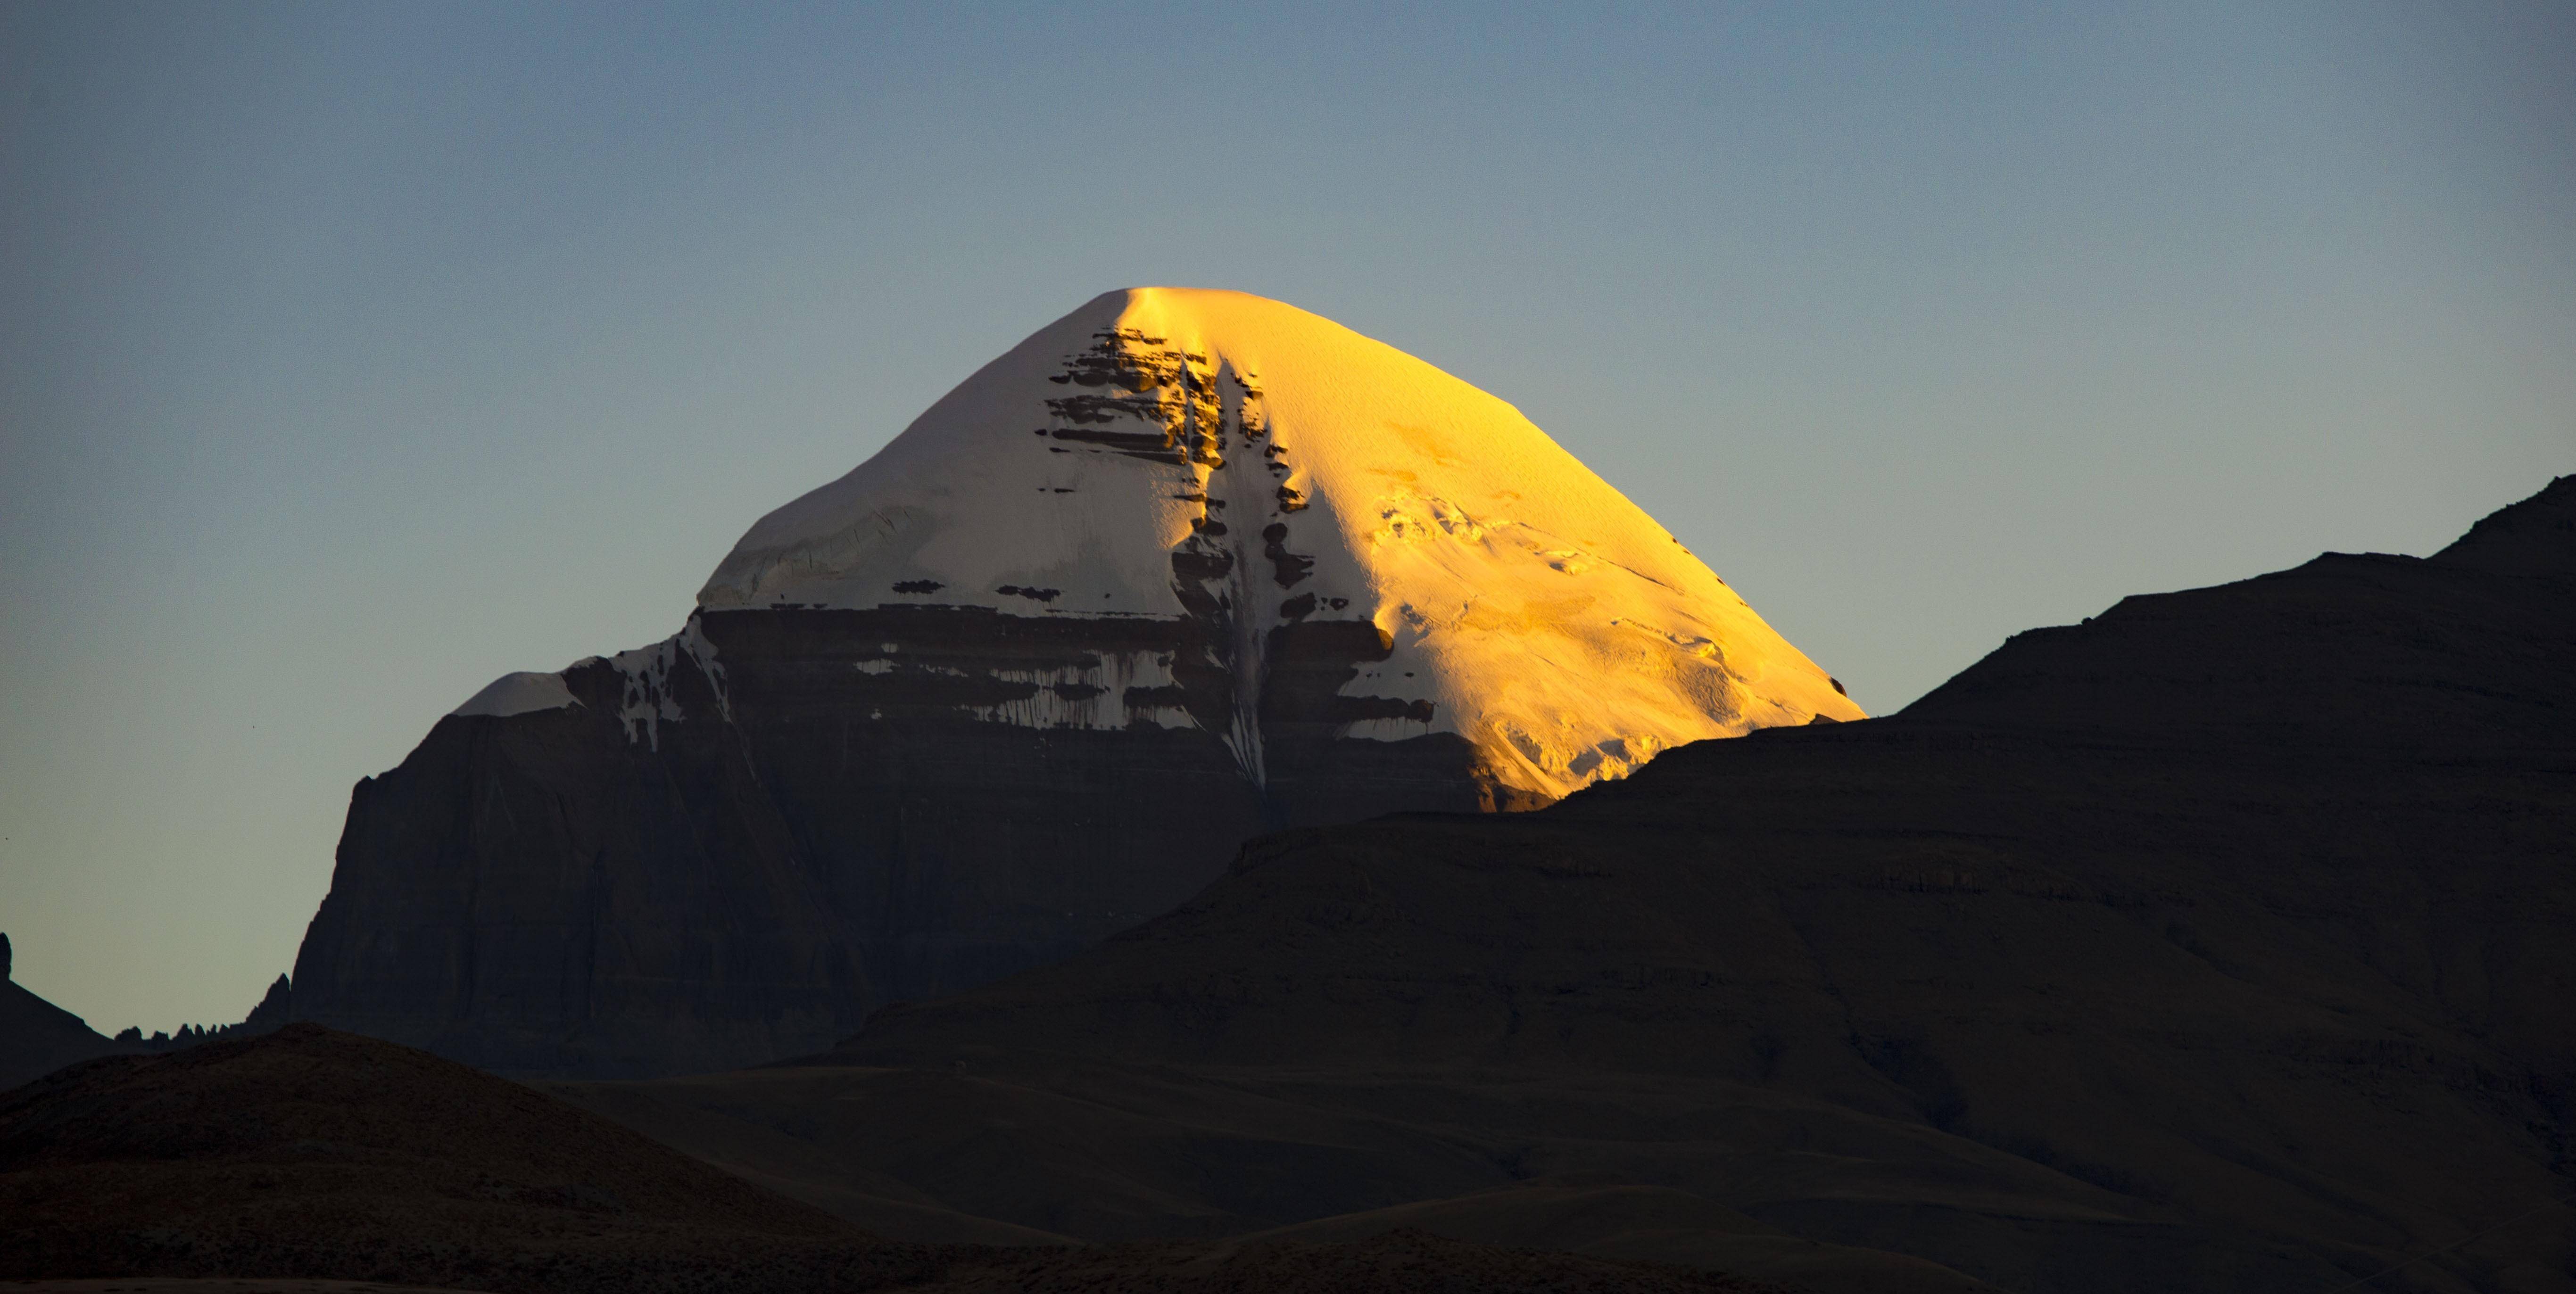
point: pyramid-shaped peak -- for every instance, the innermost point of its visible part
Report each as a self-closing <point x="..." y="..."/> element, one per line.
<point x="1184" y="453"/>
<point x="1183" y="568"/>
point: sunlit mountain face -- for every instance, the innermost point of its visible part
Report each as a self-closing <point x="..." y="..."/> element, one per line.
<point x="1182" y="567"/>
<point x="1277" y="482"/>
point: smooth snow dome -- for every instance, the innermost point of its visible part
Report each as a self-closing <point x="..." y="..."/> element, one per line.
<point x="521" y="693"/>
<point x="1539" y="612"/>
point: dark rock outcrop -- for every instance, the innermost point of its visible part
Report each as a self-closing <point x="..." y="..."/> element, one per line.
<point x="276" y="1008"/>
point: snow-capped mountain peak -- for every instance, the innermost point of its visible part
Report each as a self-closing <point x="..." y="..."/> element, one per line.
<point x="1171" y="452"/>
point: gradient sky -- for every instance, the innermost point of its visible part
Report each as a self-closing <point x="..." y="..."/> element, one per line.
<point x="352" y="355"/>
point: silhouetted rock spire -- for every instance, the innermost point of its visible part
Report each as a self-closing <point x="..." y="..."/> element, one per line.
<point x="273" y="1010"/>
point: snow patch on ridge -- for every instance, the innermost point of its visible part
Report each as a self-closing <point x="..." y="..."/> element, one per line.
<point x="693" y="640"/>
<point x="521" y="693"/>
<point x="645" y="702"/>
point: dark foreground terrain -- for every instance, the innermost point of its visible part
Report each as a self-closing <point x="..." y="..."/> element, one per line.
<point x="321" y="1154"/>
<point x="2226" y="941"/>
<point x="310" y="1161"/>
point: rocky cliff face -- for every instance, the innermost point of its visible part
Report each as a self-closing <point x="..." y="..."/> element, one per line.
<point x="1181" y="568"/>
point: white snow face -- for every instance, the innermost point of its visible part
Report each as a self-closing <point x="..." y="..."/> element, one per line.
<point x="1170" y="452"/>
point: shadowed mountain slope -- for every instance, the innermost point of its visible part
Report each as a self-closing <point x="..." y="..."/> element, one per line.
<point x="2220" y="942"/>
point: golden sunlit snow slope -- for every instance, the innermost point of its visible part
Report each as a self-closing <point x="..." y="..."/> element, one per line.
<point x="1171" y="452"/>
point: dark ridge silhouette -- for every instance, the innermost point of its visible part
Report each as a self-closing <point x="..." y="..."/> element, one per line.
<point x="37" y="1037"/>
<point x="2220" y="942"/>
<point x="275" y="1009"/>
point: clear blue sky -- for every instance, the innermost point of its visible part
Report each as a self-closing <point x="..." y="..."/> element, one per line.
<point x="354" y="354"/>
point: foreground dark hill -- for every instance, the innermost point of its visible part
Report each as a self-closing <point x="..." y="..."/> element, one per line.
<point x="1125" y="1153"/>
<point x="320" y="1154"/>
<point x="304" y="1157"/>
<point x="2220" y="942"/>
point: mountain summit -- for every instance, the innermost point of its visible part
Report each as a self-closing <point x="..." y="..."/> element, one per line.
<point x="1209" y="456"/>
<point x="1183" y="567"/>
